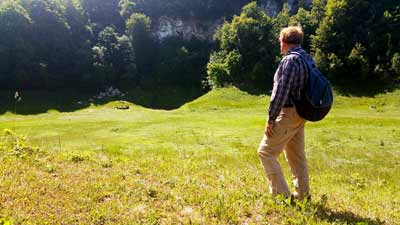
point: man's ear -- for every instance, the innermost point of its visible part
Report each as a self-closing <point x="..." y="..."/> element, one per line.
<point x="283" y="47"/>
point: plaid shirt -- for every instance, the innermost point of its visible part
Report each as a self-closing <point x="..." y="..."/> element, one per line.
<point x="289" y="81"/>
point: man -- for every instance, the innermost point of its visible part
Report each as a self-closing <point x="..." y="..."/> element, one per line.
<point x="285" y="128"/>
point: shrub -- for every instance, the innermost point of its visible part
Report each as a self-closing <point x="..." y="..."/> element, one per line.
<point x="16" y="145"/>
<point x="247" y="50"/>
<point x="396" y="64"/>
<point x="217" y="70"/>
<point x="358" y="62"/>
<point x="223" y="68"/>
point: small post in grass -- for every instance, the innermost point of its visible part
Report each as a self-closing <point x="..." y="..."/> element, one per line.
<point x="17" y="98"/>
<point x="59" y="143"/>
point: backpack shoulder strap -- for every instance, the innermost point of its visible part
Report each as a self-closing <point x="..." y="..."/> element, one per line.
<point x="308" y="63"/>
<point x="296" y="53"/>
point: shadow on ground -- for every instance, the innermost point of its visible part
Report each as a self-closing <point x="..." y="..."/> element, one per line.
<point x="356" y="89"/>
<point x="365" y="89"/>
<point x="326" y="214"/>
<point x="165" y="98"/>
<point x="69" y="100"/>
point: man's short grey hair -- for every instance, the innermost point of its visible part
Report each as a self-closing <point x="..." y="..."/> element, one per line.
<point x="292" y="35"/>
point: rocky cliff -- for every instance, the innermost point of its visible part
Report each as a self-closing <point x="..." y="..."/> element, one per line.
<point x="203" y="29"/>
<point x="272" y="7"/>
<point x="187" y="28"/>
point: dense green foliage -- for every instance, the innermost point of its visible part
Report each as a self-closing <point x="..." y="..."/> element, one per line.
<point x="188" y="8"/>
<point x="114" y="58"/>
<point x="94" y="43"/>
<point x="248" y="49"/>
<point x="357" y="40"/>
<point x="351" y="40"/>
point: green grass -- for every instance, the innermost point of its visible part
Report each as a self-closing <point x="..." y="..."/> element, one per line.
<point x="196" y="165"/>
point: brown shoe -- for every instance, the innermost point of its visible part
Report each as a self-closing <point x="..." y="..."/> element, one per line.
<point x="296" y="198"/>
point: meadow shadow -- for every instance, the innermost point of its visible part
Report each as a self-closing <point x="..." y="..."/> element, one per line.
<point x="364" y="88"/>
<point x="346" y="88"/>
<point x="325" y="213"/>
<point x="70" y="100"/>
<point x="161" y="97"/>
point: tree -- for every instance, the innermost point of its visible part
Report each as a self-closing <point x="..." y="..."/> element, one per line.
<point x="210" y="9"/>
<point x="50" y="37"/>
<point x="304" y="19"/>
<point x="384" y="39"/>
<point x="223" y="68"/>
<point x="16" y="52"/>
<point x="281" y="20"/>
<point x="103" y="13"/>
<point x="181" y="62"/>
<point x="359" y="34"/>
<point x="104" y="54"/>
<point x="341" y="28"/>
<point x="396" y="64"/>
<point x="126" y="66"/>
<point x="114" y="59"/>
<point x="138" y="30"/>
<point x="127" y="8"/>
<point x="247" y="52"/>
<point x="358" y="61"/>
<point x="80" y="45"/>
<point x="318" y="11"/>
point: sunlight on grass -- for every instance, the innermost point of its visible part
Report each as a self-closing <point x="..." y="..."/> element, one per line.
<point x="196" y="165"/>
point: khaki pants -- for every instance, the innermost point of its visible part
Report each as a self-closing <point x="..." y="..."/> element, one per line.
<point x="288" y="135"/>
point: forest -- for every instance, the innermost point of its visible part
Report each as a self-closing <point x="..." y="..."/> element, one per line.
<point x="52" y="44"/>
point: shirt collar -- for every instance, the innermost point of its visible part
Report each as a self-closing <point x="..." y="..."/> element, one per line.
<point x="296" y="49"/>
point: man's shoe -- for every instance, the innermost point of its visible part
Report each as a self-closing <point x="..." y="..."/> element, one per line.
<point x="295" y="198"/>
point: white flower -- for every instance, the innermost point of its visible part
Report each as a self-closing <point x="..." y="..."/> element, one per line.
<point x="187" y="211"/>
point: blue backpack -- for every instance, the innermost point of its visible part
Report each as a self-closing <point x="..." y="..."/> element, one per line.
<point x="317" y="97"/>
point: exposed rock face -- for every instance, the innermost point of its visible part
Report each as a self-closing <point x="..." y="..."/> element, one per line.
<point x="185" y="28"/>
<point x="270" y="7"/>
<point x="188" y="28"/>
<point x="295" y="4"/>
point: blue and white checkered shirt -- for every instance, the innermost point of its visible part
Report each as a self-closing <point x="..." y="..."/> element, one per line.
<point x="289" y="81"/>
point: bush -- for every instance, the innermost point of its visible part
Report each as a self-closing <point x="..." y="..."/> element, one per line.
<point x="16" y="145"/>
<point x="218" y="70"/>
<point x="138" y="30"/>
<point x="247" y="50"/>
<point x="357" y="38"/>
<point x="396" y="64"/>
<point x="358" y="62"/>
<point x="224" y="68"/>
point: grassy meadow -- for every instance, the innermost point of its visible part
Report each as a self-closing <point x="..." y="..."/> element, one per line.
<point x="196" y="164"/>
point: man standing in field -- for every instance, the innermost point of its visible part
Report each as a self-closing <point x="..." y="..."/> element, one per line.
<point x="284" y="130"/>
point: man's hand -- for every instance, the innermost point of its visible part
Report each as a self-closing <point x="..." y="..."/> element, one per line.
<point x="268" y="129"/>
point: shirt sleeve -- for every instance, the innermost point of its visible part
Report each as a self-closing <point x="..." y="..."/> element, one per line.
<point x="281" y="90"/>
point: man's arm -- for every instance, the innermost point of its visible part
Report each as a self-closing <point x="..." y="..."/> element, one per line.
<point x="281" y="90"/>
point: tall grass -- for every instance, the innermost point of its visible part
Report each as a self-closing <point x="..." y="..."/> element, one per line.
<point x="198" y="165"/>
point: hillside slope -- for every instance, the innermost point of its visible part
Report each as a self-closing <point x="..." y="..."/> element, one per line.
<point x="196" y="165"/>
